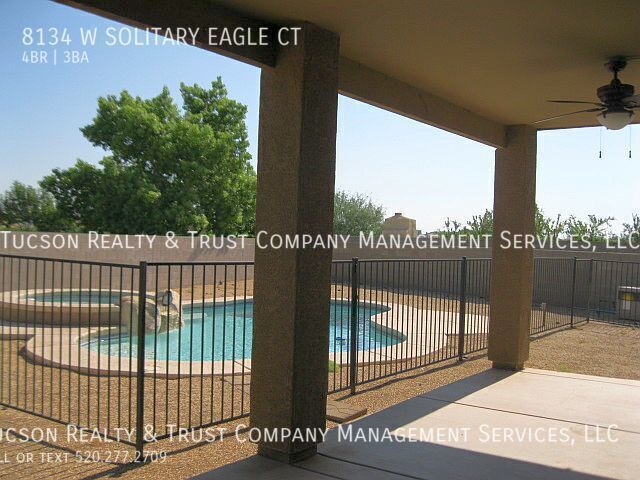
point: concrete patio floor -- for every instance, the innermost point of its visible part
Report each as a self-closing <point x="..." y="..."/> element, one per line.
<point x="533" y="424"/>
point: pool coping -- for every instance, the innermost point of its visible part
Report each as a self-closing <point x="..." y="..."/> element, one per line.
<point x="57" y="313"/>
<point x="60" y="347"/>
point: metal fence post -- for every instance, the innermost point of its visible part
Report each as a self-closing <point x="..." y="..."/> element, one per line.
<point x="353" y="343"/>
<point x="462" y="308"/>
<point x="573" y="289"/>
<point x="142" y="296"/>
<point x="589" y="284"/>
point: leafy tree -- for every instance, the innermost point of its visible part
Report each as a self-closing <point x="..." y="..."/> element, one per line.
<point x="28" y="208"/>
<point x="483" y="224"/>
<point x="632" y="229"/>
<point x="480" y="224"/>
<point x="547" y="226"/>
<point x="451" y="228"/>
<point x="19" y="205"/>
<point x="355" y="213"/>
<point x="595" y="229"/>
<point x="630" y="234"/>
<point x="166" y="169"/>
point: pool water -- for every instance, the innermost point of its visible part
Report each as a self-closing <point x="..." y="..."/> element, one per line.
<point x="219" y="332"/>
<point x="94" y="297"/>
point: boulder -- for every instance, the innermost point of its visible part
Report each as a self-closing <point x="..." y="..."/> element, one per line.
<point x="169" y="310"/>
<point x="129" y="308"/>
<point x="162" y="312"/>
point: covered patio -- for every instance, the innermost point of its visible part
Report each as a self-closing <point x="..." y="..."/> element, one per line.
<point x="532" y="424"/>
<point x="483" y="70"/>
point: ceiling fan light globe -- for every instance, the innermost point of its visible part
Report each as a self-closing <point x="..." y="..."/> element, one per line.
<point x="616" y="119"/>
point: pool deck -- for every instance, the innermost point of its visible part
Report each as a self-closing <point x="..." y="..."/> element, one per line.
<point x="60" y="346"/>
<point x="544" y="425"/>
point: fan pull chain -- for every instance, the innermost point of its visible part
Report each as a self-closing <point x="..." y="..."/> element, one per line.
<point x="600" y="152"/>
<point x="629" y="141"/>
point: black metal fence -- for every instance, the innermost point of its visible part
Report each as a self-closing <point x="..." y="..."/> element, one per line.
<point x="51" y="310"/>
<point x="613" y="292"/>
<point x="391" y="316"/>
<point x="198" y="349"/>
<point x="144" y="351"/>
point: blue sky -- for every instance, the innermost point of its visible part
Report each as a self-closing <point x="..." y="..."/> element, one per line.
<point x="408" y="167"/>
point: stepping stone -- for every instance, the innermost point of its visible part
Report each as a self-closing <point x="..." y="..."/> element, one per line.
<point x="341" y="412"/>
<point x="338" y="412"/>
<point x="237" y="380"/>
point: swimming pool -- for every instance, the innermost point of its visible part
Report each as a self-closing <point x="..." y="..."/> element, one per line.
<point x="216" y="332"/>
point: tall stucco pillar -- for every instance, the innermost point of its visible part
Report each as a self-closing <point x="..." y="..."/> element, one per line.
<point x="512" y="268"/>
<point x="296" y="176"/>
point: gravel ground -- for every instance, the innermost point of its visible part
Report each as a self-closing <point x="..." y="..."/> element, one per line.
<point x="595" y="348"/>
<point x="592" y="349"/>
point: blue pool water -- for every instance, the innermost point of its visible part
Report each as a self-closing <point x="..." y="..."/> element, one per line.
<point x="94" y="297"/>
<point x="216" y="332"/>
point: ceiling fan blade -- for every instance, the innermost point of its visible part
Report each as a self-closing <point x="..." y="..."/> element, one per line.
<point x="577" y="101"/>
<point x="631" y="102"/>
<point x="599" y="109"/>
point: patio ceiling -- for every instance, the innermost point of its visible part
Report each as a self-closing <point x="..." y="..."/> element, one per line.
<point x="499" y="59"/>
<point x="468" y="66"/>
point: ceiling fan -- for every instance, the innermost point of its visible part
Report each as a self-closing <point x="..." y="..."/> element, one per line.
<point x="617" y="100"/>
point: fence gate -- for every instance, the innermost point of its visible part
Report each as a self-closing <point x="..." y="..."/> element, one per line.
<point x="60" y="320"/>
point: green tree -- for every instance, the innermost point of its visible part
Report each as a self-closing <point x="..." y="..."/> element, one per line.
<point x="544" y="226"/>
<point x="547" y="226"/>
<point x="480" y="224"/>
<point x="595" y="229"/>
<point x="28" y="208"/>
<point x="355" y="213"/>
<point x="166" y="170"/>
<point x="451" y="228"/>
<point x="632" y="229"/>
<point x="483" y="224"/>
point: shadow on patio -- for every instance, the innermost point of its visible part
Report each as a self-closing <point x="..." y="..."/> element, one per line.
<point x="527" y="425"/>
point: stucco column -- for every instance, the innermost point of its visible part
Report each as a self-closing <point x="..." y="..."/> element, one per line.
<point x="296" y="176"/>
<point x="512" y="268"/>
